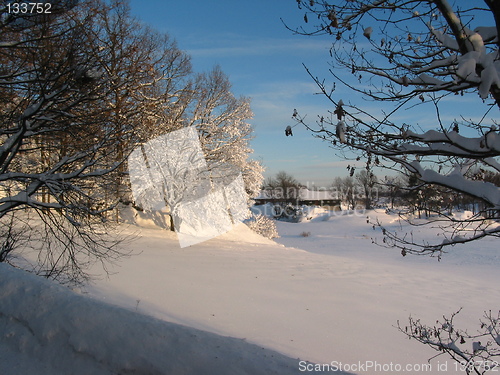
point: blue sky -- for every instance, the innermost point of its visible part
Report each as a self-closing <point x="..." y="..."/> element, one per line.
<point x="264" y="62"/>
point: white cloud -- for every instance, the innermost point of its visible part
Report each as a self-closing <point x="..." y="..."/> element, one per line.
<point x="238" y="45"/>
<point x="335" y="164"/>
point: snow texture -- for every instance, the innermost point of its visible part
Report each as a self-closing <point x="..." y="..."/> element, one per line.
<point x="467" y="64"/>
<point x="47" y="329"/>
<point x="454" y="142"/>
<point x="340" y="131"/>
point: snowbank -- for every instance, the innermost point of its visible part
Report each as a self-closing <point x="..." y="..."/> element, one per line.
<point x="47" y="329"/>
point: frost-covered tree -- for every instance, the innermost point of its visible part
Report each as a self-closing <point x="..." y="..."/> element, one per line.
<point x="222" y="123"/>
<point x="76" y="88"/>
<point x="263" y="225"/>
<point x="80" y="89"/>
<point x="416" y="55"/>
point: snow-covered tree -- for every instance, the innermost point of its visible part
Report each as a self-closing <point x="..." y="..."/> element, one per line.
<point x="225" y="134"/>
<point x="263" y="225"/>
<point x="416" y="55"/>
<point x="80" y="89"/>
<point x="475" y="352"/>
<point x="76" y="89"/>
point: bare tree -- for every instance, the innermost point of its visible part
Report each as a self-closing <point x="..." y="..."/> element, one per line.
<point x="149" y="75"/>
<point x="412" y="54"/>
<point x="283" y="186"/>
<point x="393" y="187"/>
<point x="346" y="191"/>
<point x="367" y="180"/>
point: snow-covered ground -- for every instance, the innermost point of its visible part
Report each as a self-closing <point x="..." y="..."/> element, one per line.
<point x="331" y="297"/>
<point x="48" y="330"/>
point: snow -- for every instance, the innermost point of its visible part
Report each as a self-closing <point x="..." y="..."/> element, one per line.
<point x="466" y="70"/>
<point x="477" y="58"/>
<point x="489" y="77"/>
<point x="47" y="329"/>
<point x="453" y="142"/>
<point x="445" y="39"/>
<point x="340" y="131"/>
<point x="488" y="33"/>
<point x="32" y="109"/>
<point x="476" y="41"/>
<point x="427" y="80"/>
<point x="330" y="296"/>
<point x="485" y="190"/>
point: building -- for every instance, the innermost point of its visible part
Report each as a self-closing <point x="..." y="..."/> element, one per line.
<point x="299" y="196"/>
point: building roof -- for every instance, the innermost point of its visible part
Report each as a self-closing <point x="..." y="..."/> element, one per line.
<point x="304" y="194"/>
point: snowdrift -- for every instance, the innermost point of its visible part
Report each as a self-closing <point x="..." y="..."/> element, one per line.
<point x="48" y="329"/>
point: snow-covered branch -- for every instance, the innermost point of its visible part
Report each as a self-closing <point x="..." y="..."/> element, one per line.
<point x="475" y="353"/>
<point x="414" y="54"/>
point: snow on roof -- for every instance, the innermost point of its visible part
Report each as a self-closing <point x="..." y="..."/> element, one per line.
<point x="306" y="194"/>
